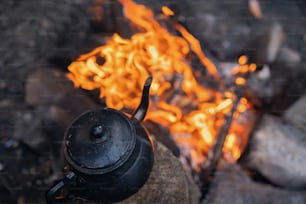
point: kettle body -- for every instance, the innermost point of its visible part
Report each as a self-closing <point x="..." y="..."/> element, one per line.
<point x="109" y="155"/>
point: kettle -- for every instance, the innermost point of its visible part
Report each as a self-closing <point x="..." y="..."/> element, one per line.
<point x="109" y="155"/>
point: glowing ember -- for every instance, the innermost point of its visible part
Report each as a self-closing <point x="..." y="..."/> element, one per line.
<point x="196" y="115"/>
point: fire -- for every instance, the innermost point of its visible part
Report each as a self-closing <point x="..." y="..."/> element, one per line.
<point x="193" y="113"/>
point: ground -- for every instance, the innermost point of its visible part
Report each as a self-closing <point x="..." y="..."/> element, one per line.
<point x="50" y="34"/>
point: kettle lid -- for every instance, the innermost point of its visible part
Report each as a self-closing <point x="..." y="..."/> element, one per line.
<point x="99" y="140"/>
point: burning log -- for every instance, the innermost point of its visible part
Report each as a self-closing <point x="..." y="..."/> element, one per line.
<point x="277" y="151"/>
<point x="215" y="154"/>
<point x="232" y="185"/>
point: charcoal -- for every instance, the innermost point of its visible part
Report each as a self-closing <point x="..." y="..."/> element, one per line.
<point x="232" y="185"/>
<point x="277" y="151"/>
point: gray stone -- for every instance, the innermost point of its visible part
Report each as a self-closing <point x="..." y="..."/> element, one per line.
<point x="232" y="185"/>
<point x="296" y="113"/>
<point x="56" y="104"/>
<point x="289" y="56"/>
<point x="29" y="130"/>
<point x="50" y="87"/>
<point x="277" y="151"/>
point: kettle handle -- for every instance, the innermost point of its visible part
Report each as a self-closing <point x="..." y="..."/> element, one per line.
<point x="142" y="108"/>
<point x="52" y="195"/>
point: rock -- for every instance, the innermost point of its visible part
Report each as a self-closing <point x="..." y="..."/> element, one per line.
<point x="232" y="185"/>
<point x="167" y="183"/>
<point x="277" y="151"/>
<point x="294" y="88"/>
<point x="265" y="45"/>
<point x="56" y="104"/>
<point x="208" y="22"/>
<point x="289" y="56"/>
<point x="262" y="49"/>
<point x="296" y="113"/>
<point x="46" y="87"/>
<point x="36" y="33"/>
<point x="276" y="37"/>
<point x="30" y="132"/>
<point x="260" y="88"/>
<point x="264" y="73"/>
<point x="42" y="29"/>
<point x="267" y="84"/>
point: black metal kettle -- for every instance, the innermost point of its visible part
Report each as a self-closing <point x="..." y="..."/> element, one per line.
<point x="108" y="154"/>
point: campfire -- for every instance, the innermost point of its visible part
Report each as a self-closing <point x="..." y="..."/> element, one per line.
<point x="226" y="92"/>
<point x="182" y="102"/>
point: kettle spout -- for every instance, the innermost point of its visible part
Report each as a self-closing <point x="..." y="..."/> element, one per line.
<point x="142" y="108"/>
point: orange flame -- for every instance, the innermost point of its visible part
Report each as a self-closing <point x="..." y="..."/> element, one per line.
<point x="193" y="113"/>
<point x="167" y="11"/>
